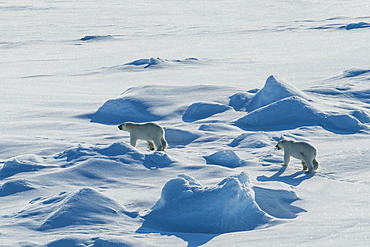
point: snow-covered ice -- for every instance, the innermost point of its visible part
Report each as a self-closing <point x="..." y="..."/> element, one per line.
<point x="226" y="80"/>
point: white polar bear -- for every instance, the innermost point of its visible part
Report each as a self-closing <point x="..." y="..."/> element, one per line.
<point x="299" y="150"/>
<point x="150" y="132"/>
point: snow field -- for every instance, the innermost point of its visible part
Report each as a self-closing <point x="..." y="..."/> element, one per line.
<point x="208" y="73"/>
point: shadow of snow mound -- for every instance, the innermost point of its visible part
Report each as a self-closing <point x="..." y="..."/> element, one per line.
<point x="274" y="90"/>
<point x="201" y="110"/>
<point x="115" y="149"/>
<point x="12" y="167"/>
<point x="157" y="160"/>
<point x="83" y="207"/>
<point x="277" y="203"/>
<point x="227" y="158"/>
<point x="186" y="206"/>
<point x="355" y="26"/>
<point x="294" y="112"/>
<point x="14" y="186"/>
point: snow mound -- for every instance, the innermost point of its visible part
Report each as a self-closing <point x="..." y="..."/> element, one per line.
<point x="287" y="113"/>
<point x="239" y="101"/>
<point x="151" y="62"/>
<point x="202" y="110"/>
<point x="217" y="127"/>
<point x="361" y="115"/>
<point x="116" y="242"/>
<point x="83" y="207"/>
<point x="355" y="72"/>
<point x="251" y="140"/>
<point x="356" y="25"/>
<point x="227" y="158"/>
<point x="176" y="137"/>
<point x="186" y="206"/>
<point x="120" y="110"/>
<point x="157" y="160"/>
<point x="294" y="112"/>
<point x="274" y="89"/>
<point x="14" y="166"/>
<point x="147" y="62"/>
<point x="14" y="186"/>
<point x="341" y="123"/>
<point x="75" y="153"/>
<point x="115" y="149"/>
<point x="95" y="37"/>
<point x="66" y="242"/>
<point x="155" y="103"/>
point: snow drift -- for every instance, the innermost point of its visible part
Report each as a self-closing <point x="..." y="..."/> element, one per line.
<point x="155" y="103"/>
<point x="85" y="206"/>
<point x="17" y="165"/>
<point x="156" y="62"/>
<point x="274" y="90"/>
<point x="356" y="25"/>
<point x="279" y="106"/>
<point x="227" y="158"/>
<point x="201" y="110"/>
<point x="186" y="206"/>
<point x="15" y="186"/>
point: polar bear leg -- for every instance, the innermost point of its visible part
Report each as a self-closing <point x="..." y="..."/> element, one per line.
<point x="315" y="164"/>
<point x="164" y="143"/>
<point x="158" y="144"/>
<point x="286" y="159"/>
<point x="133" y="140"/>
<point x="304" y="165"/>
<point x="151" y="145"/>
<point x="309" y="165"/>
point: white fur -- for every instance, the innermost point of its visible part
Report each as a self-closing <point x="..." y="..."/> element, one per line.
<point x="299" y="150"/>
<point x="150" y="132"/>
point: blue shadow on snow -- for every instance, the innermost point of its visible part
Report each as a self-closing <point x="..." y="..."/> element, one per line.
<point x="294" y="179"/>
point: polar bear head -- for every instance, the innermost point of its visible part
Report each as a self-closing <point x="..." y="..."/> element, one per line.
<point x="124" y="126"/>
<point x="280" y="144"/>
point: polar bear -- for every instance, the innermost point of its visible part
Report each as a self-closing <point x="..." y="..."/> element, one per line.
<point x="299" y="150"/>
<point x="150" y="132"/>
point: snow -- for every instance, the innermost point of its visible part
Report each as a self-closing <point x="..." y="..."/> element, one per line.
<point x="201" y="110"/>
<point x="186" y="206"/>
<point x="83" y="207"/>
<point x="226" y="80"/>
<point x="226" y="158"/>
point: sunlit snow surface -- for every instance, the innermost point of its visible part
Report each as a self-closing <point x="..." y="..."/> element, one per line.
<point x="226" y="80"/>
